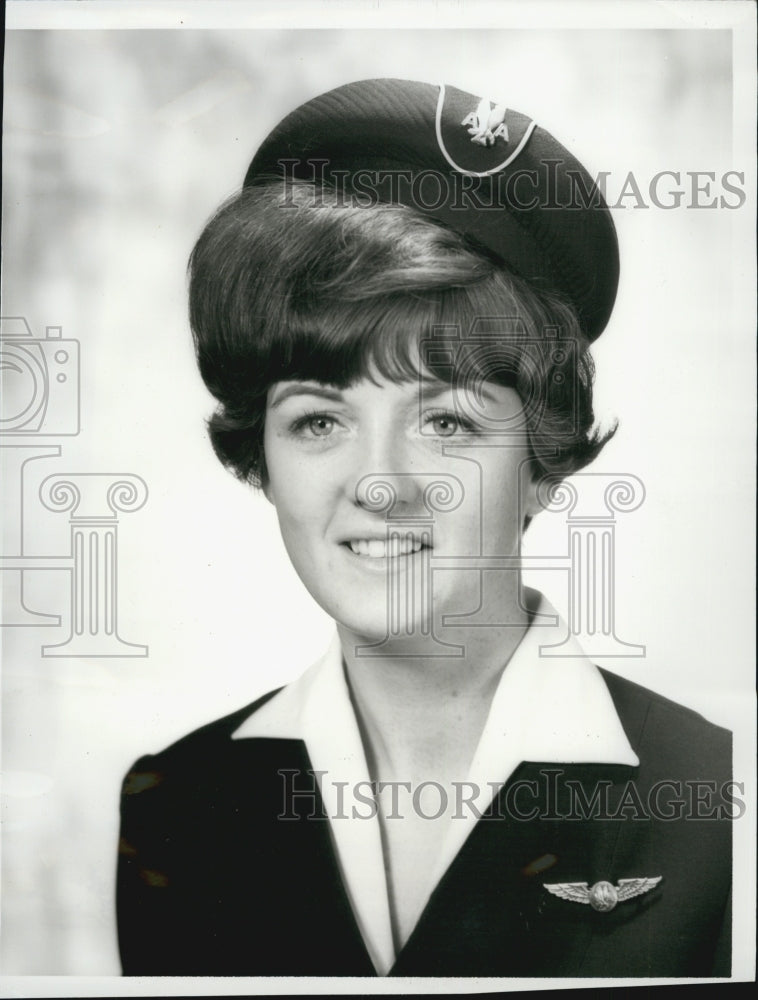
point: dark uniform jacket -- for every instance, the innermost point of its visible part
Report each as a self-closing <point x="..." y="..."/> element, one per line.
<point x="212" y="881"/>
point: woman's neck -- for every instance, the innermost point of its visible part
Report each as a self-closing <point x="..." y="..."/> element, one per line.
<point x="421" y="716"/>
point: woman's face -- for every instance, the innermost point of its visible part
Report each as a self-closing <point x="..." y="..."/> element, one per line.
<point x="368" y="553"/>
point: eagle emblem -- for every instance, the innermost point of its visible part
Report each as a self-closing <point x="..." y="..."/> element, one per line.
<point x="487" y="124"/>
<point x="603" y="896"/>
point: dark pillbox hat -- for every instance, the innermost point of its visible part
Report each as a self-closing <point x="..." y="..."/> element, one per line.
<point x="488" y="172"/>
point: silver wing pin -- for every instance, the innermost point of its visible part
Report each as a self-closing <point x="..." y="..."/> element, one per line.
<point x="603" y="896"/>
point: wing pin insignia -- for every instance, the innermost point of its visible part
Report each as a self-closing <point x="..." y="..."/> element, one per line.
<point x="603" y="896"/>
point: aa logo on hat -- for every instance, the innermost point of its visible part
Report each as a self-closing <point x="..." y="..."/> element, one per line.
<point x="479" y="152"/>
<point x="486" y="123"/>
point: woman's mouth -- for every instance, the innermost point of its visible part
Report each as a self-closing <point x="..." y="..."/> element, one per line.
<point x="381" y="548"/>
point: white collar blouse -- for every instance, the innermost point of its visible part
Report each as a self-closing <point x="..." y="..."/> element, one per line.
<point x="566" y="696"/>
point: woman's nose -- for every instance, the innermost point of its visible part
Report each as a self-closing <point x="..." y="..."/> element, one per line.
<point x="385" y="475"/>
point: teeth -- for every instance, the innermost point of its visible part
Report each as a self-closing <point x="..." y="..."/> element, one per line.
<point x="378" y="548"/>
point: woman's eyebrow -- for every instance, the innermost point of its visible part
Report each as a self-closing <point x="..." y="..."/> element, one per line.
<point x="433" y="388"/>
<point x="305" y="389"/>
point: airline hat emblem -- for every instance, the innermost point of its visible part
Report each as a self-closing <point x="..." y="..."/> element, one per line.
<point x="487" y="124"/>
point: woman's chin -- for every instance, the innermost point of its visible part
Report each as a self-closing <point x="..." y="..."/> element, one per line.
<point x="366" y="638"/>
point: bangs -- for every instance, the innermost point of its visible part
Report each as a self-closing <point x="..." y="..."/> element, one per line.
<point x="400" y="337"/>
<point x="283" y="291"/>
<point x="300" y="292"/>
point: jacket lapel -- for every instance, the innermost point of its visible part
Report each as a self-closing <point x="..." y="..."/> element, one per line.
<point x="490" y="914"/>
<point x="286" y="909"/>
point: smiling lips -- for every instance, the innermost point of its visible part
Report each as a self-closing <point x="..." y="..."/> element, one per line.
<point x="380" y="548"/>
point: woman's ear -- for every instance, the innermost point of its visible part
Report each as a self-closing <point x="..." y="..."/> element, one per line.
<point x="265" y="482"/>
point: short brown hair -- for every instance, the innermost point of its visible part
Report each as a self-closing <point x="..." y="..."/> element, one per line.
<point x="295" y="285"/>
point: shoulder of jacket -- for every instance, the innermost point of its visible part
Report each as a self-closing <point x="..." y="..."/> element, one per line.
<point x="640" y="708"/>
<point x="199" y="744"/>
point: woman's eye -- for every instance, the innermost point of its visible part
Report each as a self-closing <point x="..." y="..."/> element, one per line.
<point x="447" y="424"/>
<point x="444" y="426"/>
<point x="320" y="426"/>
<point x="314" y="425"/>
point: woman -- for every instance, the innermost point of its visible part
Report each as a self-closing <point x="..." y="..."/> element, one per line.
<point x="394" y="316"/>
